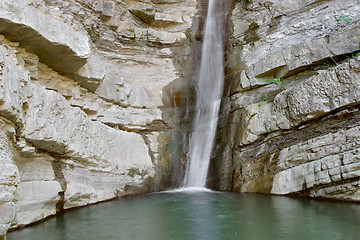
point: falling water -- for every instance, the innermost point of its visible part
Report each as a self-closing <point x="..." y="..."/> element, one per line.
<point x="209" y="92"/>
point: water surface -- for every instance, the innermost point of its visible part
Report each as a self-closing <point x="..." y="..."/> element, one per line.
<point x="201" y="215"/>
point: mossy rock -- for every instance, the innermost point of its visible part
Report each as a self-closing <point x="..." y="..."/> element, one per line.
<point x="146" y="15"/>
<point x="251" y="35"/>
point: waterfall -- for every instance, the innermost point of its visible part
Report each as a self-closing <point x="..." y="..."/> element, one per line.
<point x="209" y="87"/>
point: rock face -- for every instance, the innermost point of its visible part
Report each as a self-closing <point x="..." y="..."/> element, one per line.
<point x="44" y="31"/>
<point x="82" y="100"/>
<point x="95" y="96"/>
<point x="293" y="105"/>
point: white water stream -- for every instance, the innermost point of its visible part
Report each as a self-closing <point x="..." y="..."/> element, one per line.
<point x="209" y="91"/>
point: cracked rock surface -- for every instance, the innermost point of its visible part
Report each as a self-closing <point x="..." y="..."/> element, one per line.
<point x="292" y="107"/>
<point x="81" y="100"/>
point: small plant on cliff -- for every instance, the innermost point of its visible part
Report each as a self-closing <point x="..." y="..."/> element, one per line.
<point x="345" y="19"/>
<point x="264" y="100"/>
<point x="275" y="80"/>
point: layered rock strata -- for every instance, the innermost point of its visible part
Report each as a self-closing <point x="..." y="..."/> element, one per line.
<point x="95" y="100"/>
<point x="293" y="107"/>
<point x="82" y="100"/>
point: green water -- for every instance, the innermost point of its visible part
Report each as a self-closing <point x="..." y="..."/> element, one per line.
<point x="202" y="215"/>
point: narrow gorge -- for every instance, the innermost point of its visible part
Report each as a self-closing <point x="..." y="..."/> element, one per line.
<point x="98" y="100"/>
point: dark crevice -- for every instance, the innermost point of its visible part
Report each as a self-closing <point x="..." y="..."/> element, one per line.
<point x="59" y="176"/>
<point x="322" y="64"/>
<point x="148" y="144"/>
<point x="344" y="118"/>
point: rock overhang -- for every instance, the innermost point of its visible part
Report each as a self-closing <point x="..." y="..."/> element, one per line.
<point x="59" y="42"/>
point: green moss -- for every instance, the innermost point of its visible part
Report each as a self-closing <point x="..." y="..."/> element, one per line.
<point x="264" y="100"/>
<point x="145" y="15"/>
<point x="188" y="35"/>
<point x="135" y="171"/>
<point x="253" y="115"/>
<point x="251" y="35"/>
<point x="261" y="184"/>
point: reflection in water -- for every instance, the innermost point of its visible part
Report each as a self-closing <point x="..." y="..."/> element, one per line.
<point x="201" y="215"/>
<point x="338" y="220"/>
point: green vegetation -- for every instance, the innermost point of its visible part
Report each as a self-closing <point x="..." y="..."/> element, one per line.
<point x="275" y="80"/>
<point x="188" y="35"/>
<point x="346" y="19"/>
<point x="264" y="100"/>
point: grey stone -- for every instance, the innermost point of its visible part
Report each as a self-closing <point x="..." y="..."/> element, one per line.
<point x="37" y="200"/>
<point x="62" y="46"/>
<point x="108" y="8"/>
<point x="167" y="1"/>
<point x="310" y="99"/>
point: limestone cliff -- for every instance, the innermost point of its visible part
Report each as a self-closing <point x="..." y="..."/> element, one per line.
<point x="292" y="106"/>
<point x="95" y="100"/>
<point x="82" y="93"/>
